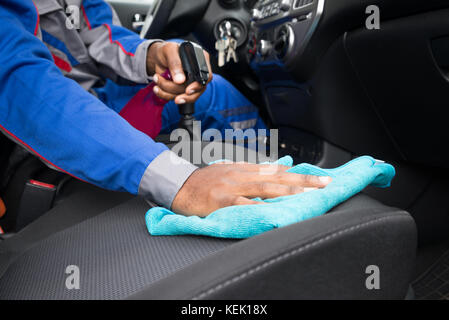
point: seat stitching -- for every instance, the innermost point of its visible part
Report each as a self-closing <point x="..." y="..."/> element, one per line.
<point x="291" y="253"/>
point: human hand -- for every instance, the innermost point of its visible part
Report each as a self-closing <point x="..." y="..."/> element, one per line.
<point x="230" y="184"/>
<point x="165" y="55"/>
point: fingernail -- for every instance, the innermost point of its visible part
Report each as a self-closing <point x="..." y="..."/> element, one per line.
<point x="156" y="89"/>
<point x="325" y="180"/>
<point x="155" y="79"/>
<point x="181" y="101"/>
<point x="309" y="189"/>
<point x="179" y="77"/>
<point x="191" y="91"/>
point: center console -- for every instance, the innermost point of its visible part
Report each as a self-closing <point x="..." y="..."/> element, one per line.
<point x="281" y="53"/>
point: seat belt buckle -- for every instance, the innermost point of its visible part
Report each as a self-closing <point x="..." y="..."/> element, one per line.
<point x="37" y="199"/>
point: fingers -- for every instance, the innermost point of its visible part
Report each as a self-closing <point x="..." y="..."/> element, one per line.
<point x="242" y="201"/>
<point x="262" y="168"/>
<point x="293" y="179"/>
<point x="193" y="88"/>
<point x="266" y="190"/>
<point x="169" y="90"/>
<point x="168" y="86"/>
<point x="176" y="90"/>
<point x="163" y="95"/>
<point x="277" y="174"/>
<point x="171" y="56"/>
<point x="184" y="98"/>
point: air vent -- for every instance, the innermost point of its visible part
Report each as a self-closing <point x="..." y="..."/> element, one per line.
<point x="298" y="4"/>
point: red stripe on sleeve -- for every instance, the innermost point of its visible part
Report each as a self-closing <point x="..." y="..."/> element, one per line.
<point x="110" y="33"/>
<point x="116" y="42"/>
<point x="85" y="18"/>
<point x="37" y="21"/>
<point x="61" y="63"/>
<point x="37" y="154"/>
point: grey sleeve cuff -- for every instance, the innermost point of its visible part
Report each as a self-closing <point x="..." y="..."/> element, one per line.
<point x="141" y="61"/>
<point x="164" y="177"/>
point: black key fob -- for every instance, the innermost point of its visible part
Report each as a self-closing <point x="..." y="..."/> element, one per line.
<point x="194" y="63"/>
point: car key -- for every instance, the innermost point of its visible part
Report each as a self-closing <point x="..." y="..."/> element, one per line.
<point x="232" y="54"/>
<point x="228" y="28"/>
<point x="221" y="45"/>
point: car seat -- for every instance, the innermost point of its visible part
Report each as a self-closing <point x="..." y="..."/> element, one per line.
<point x="103" y="233"/>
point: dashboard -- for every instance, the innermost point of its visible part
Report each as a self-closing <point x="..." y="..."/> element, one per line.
<point x="321" y="71"/>
<point x="281" y="29"/>
<point x="270" y="32"/>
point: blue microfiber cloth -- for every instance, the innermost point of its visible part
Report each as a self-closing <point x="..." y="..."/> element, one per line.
<point x="241" y="222"/>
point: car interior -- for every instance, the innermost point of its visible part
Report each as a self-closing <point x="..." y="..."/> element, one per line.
<point x="336" y="90"/>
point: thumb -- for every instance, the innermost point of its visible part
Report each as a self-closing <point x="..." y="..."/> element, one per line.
<point x="171" y="52"/>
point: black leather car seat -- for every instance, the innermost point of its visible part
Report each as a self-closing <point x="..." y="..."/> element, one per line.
<point x="322" y="258"/>
<point x="104" y="234"/>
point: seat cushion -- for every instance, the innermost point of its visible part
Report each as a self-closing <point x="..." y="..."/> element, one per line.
<point x="118" y="259"/>
<point x="115" y="255"/>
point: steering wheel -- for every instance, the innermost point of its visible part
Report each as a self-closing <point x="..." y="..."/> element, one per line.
<point x="157" y="18"/>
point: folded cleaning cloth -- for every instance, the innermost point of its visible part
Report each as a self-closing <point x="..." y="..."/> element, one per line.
<point x="241" y="222"/>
